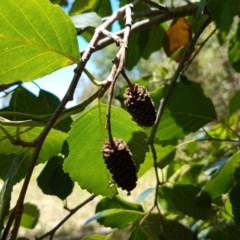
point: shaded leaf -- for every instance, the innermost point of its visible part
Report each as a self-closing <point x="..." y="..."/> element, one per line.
<point x="165" y="199"/>
<point x="142" y="44"/>
<point x="6" y="161"/>
<point x="175" y="231"/>
<point x="188" y="200"/>
<point x="178" y="35"/>
<point x="234" y="196"/>
<point x="117" y="202"/>
<point x="53" y="181"/>
<point x="222" y="182"/>
<point x="6" y="189"/>
<point x="37" y="40"/>
<point x="234" y="103"/>
<point x="24" y="101"/>
<point x="224" y="231"/>
<point x="234" y="50"/>
<point x="85" y="163"/>
<point x="30" y="215"/>
<point x="223" y="12"/>
<point x="151" y="228"/>
<point x="119" y="218"/>
<point x="187" y="110"/>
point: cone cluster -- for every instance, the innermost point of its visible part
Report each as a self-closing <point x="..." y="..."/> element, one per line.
<point x="119" y="161"/>
<point x="140" y="105"/>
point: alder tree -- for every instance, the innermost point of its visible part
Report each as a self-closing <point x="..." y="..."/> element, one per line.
<point x="168" y="123"/>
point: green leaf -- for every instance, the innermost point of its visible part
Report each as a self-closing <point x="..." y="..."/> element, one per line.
<point x="8" y="160"/>
<point x="85" y="20"/>
<point x="95" y="237"/>
<point x="113" y="204"/>
<point x="36" y="40"/>
<point x="143" y="44"/>
<point x="234" y="196"/>
<point x="102" y="8"/>
<point x="225" y="231"/>
<point x="119" y="218"/>
<point x="223" y="12"/>
<point x="234" y="50"/>
<point x="187" y="110"/>
<point x="234" y="103"/>
<point x="24" y="101"/>
<point x="85" y="163"/>
<point x="223" y="181"/>
<point x="53" y="181"/>
<point x="80" y="6"/>
<point x="150" y="228"/>
<point x="30" y="215"/>
<point x="165" y="154"/>
<point x="188" y="200"/>
<point x="175" y="231"/>
<point x="117" y="202"/>
<point x="6" y="190"/>
<point x="51" y="146"/>
<point x="165" y="199"/>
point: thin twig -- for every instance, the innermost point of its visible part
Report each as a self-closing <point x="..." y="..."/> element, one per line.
<point x="127" y="79"/>
<point x="71" y="212"/>
<point x="118" y="64"/>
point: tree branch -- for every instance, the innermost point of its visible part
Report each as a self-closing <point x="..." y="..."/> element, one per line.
<point x="18" y="209"/>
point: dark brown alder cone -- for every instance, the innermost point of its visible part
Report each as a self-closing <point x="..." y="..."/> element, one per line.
<point x="140" y="105"/>
<point x="118" y="159"/>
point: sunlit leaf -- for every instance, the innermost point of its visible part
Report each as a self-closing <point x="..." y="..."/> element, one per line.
<point x="165" y="154"/>
<point x="51" y="146"/>
<point x="95" y="237"/>
<point x="223" y="181"/>
<point x="30" y="215"/>
<point x="85" y="163"/>
<point x="36" y="38"/>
